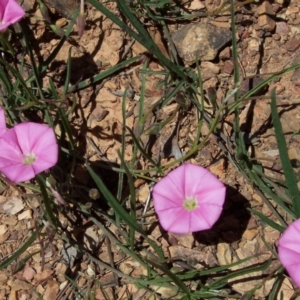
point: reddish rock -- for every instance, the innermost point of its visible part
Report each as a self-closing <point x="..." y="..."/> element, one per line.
<point x="282" y="28"/>
<point x="228" y="67"/>
<point x="276" y="37"/>
<point x="296" y="77"/>
<point x="292" y="45"/>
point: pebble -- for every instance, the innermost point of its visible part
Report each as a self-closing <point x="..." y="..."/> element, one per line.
<point x="212" y="67"/>
<point x="228" y="67"/>
<point x="225" y="53"/>
<point x="296" y="77"/>
<point x="292" y="45"/>
<point x="282" y="28"/>
<point x="292" y="10"/>
<point x="276" y="37"/>
<point x="265" y="8"/>
<point x="266" y="23"/>
<point x="200" y="41"/>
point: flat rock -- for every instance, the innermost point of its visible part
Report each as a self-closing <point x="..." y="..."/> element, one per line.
<point x="200" y="41"/>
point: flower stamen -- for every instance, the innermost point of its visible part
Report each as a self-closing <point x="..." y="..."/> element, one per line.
<point x="29" y="159"/>
<point x="190" y="203"/>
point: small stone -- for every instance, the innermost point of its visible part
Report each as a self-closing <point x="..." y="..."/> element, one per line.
<point x="125" y="268"/>
<point x="228" y="67"/>
<point x="276" y="37"/>
<point x="107" y="279"/>
<point x="266" y="23"/>
<point x="282" y="28"/>
<point x="292" y="45"/>
<point x="224" y="254"/>
<point x="61" y="22"/>
<point x="60" y="271"/>
<point x="252" y="224"/>
<point x="81" y="282"/>
<point x="44" y="275"/>
<point x="3" y="229"/>
<point x="13" y="205"/>
<point x="143" y="193"/>
<point x="187" y="241"/>
<point x="294" y="30"/>
<point x="265" y="8"/>
<point x="292" y="10"/>
<point x="63" y="285"/>
<point x="207" y="74"/>
<point x="27" y="214"/>
<point x="296" y="77"/>
<point x="28" y="273"/>
<point x="211" y="83"/>
<point x="90" y="271"/>
<point x="3" y="278"/>
<point x="212" y="67"/>
<point x="156" y="233"/>
<point x="51" y="291"/>
<point x="196" y="5"/>
<point x="250" y="234"/>
<point x="271" y="235"/>
<point x="200" y="41"/>
<point x="9" y="220"/>
<point x="18" y="285"/>
<point x="188" y="255"/>
<point x="253" y="45"/>
<point x="41" y="290"/>
<point x="225" y="53"/>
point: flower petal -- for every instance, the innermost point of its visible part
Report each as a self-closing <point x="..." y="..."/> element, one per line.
<point x="23" y="139"/>
<point x="194" y="176"/>
<point x="11" y="12"/>
<point x="175" y="220"/>
<point x="36" y="138"/>
<point x="174" y="184"/>
<point x="208" y="214"/>
<point x="3" y="5"/>
<point x="18" y="172"/>
<point x="188" y="181"/>
<point x="163" y="202"/>
<point x="211" y="197"/>
<point x="289" y="250"/>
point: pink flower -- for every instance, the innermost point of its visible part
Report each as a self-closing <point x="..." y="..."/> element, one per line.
<point x="188" y="199"/>
<point x="10" y="13"/>
<point x="26" y="150"/>
<point x="289" y="251"/>
<point x="2" y="121"/>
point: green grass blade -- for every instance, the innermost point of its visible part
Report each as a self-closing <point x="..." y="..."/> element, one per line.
<point x="113" y="201"/>
<point x="143" y="37"/>
<point x="267" y="220"/>
<point x="46" y="201"/>
<point x="290" y="178"/>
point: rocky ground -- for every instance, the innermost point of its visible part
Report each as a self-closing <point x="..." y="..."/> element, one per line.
<point x="268" y="36"/>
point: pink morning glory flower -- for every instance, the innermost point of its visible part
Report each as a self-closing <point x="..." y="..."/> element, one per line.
<point x="10" y="13"/>
<point x="2" y="121"/>
<point x="26" y="150"/>
<point x="289" y="251"/>
<point x="188" y="199"/>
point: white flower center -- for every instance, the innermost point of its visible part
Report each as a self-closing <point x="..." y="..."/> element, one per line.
<point x="190" y="203"/>
<point x="29" y="159"/>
